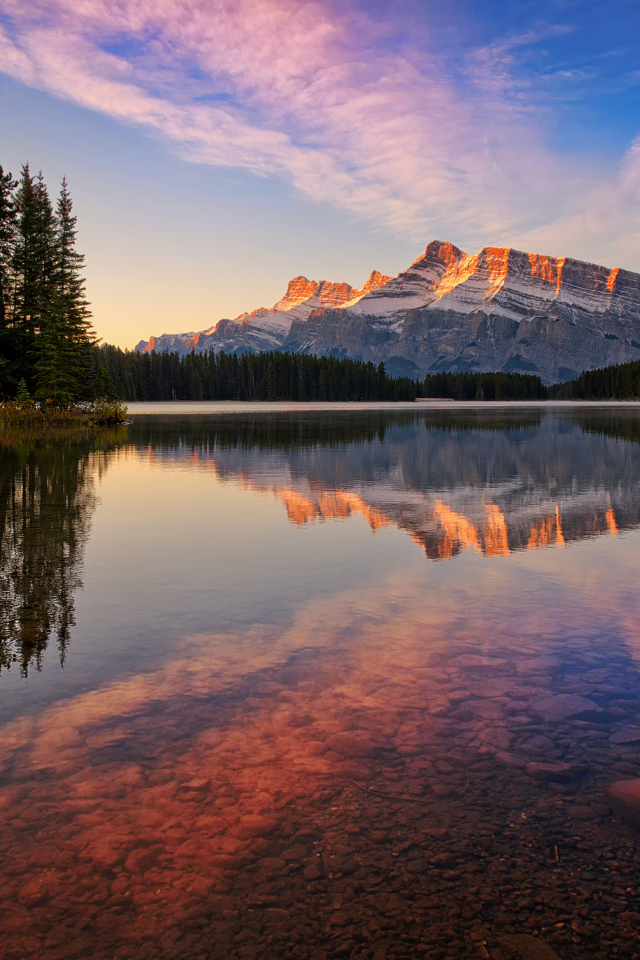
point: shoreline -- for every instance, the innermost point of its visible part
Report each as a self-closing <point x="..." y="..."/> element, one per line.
<point x="228" y="407"/>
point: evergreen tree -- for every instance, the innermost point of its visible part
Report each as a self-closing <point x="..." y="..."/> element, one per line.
<point x="23" y="395"/>
<point x="55" y="367"/>
<point x="104" y="385"/>
<point x="7" y="241"/>
<point x="64" y="359"/>
<point x="7" y="238"/>
<point x="69" y="280"/>
<point x="270" y="378"/>
<point x="33" y="267"/>
<point x="45" y="330"/>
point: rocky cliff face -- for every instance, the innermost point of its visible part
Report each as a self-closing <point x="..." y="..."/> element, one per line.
<point x="500" y="309"/>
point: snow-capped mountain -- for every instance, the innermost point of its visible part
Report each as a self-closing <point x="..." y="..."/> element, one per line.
<point x="499" y="309"/>
<point x="266" y="327"/>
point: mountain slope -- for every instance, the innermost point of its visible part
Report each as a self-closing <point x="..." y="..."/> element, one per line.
<point x="499" y="309"/>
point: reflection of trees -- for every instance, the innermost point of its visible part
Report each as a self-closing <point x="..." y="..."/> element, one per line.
<point x="46" y="499"/>
<point x="288" y="430"/>
<point x="624" y="424"/>
<point x="266" y="431"/>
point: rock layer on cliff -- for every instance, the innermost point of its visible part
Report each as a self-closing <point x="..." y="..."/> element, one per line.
<point x="499" y="309"/>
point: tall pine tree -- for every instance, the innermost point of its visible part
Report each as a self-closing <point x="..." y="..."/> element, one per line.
<point x="64" y="359"/>
<point x="7" y="240"/>
<point x="33" y="268"/>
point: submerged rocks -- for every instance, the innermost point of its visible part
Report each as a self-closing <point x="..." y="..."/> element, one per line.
<point x="415" y="800"/>
<point x="629" y="735"/>
<point x="562" y="706"/>
<point x="357" y="744"/>
<point x="555" y="772"/>
<point x="624" y="797"/>
<point x="524" y="947"/>
<point x="583" y="813"/>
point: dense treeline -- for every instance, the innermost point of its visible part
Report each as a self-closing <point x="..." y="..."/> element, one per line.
<point x="261" y="376"/>
<point x="288" y="376"/>
<point x="619" y="382"/>
<point x="45" y="330"/>
<point x="483" y="386"/>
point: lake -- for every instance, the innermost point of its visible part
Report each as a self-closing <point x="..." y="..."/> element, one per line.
<point x="340" y="681"/>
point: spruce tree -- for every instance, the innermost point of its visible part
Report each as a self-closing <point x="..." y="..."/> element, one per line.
<point x="23" y="267"/>
<point x="55" y="366"/>
<point x="7" y="241"/>
<point x="33" y="266"/>
<point x="64" y="358"/>
<point x="23" y="396"/>
<point x="104" y="387"/>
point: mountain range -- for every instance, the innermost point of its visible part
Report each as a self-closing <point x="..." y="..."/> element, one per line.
<point x="499" y="309"/>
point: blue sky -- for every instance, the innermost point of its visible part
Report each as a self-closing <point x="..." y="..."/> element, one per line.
<point x="215" y="149"/>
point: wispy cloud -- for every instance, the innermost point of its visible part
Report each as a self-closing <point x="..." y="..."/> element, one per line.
<point x="491" y="67"/>
<point x="306" y="92"/>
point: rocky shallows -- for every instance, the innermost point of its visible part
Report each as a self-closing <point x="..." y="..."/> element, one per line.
<point x="418" y="799"/>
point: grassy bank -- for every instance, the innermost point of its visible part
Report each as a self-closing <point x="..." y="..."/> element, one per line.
<point x="34" y="415"/>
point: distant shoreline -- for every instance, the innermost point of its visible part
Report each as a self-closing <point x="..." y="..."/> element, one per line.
<point x="178" y="407"/>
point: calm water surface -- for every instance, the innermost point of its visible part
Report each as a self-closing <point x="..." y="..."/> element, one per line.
<point x="321" y="684"/>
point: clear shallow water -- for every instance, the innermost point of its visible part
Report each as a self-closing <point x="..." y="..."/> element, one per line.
<point x="332" y="684"/>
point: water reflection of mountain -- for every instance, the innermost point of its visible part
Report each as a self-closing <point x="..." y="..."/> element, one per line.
<point x="47" y="497"/>
<point x="492" y="483"/>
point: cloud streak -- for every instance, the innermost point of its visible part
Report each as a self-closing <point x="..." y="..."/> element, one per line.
<point x="310" y="93"/>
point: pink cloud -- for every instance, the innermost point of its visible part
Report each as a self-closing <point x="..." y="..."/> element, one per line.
<point x="313" y="98"/>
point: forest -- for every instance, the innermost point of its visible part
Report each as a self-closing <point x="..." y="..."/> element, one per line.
<point x="288" y="376"/>
<point x="483" y="386"/>
<point x="124" y="375"/>
<point x="260" y="376"/>
<point x="619" y="382"/>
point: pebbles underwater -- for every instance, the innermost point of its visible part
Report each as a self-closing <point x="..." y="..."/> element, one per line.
<point x="369" y="799"/>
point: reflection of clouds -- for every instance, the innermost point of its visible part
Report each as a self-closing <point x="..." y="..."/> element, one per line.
<point x="392" y="619"/>
<point x="153" y="788"/>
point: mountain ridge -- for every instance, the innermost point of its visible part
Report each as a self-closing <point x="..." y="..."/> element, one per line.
<point x="498" y="309"/>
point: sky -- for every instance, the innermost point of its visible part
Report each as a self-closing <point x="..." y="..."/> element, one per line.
<point x="217" y="148"/>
